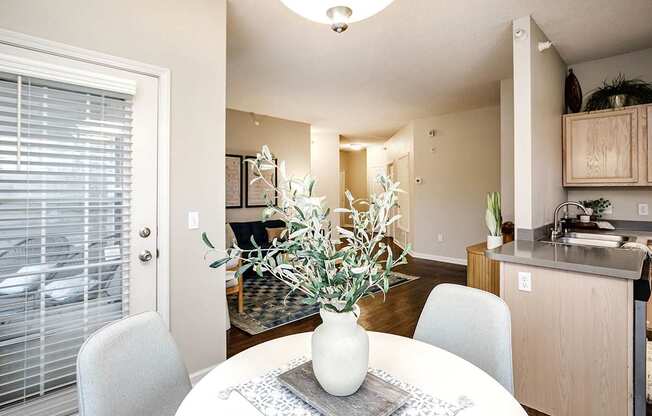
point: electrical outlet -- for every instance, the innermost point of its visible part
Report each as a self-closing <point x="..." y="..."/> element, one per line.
<point x="193" y="220"/>
<point x="440" y="237"/>
<point x="525" y="281"/>
<point x="643" y="209"/>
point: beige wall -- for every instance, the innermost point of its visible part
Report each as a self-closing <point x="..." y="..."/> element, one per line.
<point x="522" y="125"/>
<point x="379" y="156"/>
<point x="288" y="140"/>
<point x="189" y="38"/>
<point x="507" y="148"/>
<point x="458" y="166"/>
<point x="354" y="166"/>
<point x="325" y="166"/>
<point x="548" y="75"/>
<point x="591" y="74"/>
<point x="457" y="175"/>
<point x="538" y="106"/>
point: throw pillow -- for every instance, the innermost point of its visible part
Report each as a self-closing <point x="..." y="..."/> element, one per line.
<point x="273" y="233"/>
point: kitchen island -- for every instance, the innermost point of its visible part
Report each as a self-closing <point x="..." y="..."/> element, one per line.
<point x="576" y="326"/>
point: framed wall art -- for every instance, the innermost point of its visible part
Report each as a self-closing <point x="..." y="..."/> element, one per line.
<point x="233" y="181"/>
<point x="258" y="193"/>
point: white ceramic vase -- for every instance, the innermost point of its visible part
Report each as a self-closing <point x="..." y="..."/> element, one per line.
<point x="494" y="241"/>
<point x="340" y="352"/>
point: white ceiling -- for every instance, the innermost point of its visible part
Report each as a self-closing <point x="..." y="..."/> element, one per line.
<point x="415" y="59"/>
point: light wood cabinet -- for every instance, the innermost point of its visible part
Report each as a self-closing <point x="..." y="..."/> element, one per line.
<point x="607" y="148"/>
<point x="482" y="272"/>
<point x="572" y="341"/>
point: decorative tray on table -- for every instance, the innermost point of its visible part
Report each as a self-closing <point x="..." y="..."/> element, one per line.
<point x="375" y="397"/>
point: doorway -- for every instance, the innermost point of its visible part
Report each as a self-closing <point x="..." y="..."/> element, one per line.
<point x="78" y="214"/>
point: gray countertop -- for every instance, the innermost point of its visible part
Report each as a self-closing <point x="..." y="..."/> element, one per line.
<point x="612" y="262"/>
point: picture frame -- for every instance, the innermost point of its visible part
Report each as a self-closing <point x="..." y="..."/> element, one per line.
<point x="233" y="177"/>
<point x="255" y="193"/>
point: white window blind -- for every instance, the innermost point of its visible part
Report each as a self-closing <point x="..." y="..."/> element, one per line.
<point x="65" y="175"/>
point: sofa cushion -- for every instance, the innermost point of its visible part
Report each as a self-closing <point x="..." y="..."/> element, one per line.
<point x="274" y="224"/>
<point x="242" y="232"/>
<point x="248" y="247"/>
<point x="259" y="232"/>
<point x="273" y="233"/>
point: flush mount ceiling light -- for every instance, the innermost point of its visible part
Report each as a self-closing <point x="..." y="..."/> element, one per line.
<point x="336" y="13"/>
<point x="355" y="146"/>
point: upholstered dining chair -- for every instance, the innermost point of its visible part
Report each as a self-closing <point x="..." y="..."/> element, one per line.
<point x="131" y="368"/>
<point x="472" y="324"/>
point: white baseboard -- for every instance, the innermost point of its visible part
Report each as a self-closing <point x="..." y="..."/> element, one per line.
<point x="398" y="243"/>
<point x="198" y="375"/>
<point x="443" y="259"/>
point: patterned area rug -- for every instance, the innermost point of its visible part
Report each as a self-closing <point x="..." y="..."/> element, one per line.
<point x="264" y="308"/>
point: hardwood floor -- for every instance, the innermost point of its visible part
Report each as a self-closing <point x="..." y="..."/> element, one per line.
<point x="398" y="314"/>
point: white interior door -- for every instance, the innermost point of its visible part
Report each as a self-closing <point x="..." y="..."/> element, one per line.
<point x="343" y="217"/>
<point x="394" y="210"/>
<point x="402" y="170"/>
<point x="78" y="215"/>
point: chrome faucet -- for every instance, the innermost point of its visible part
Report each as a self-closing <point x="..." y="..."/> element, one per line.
<point x="556" y="231"/>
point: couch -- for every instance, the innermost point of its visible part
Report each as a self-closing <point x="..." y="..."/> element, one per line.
<point x="243" y="231"/>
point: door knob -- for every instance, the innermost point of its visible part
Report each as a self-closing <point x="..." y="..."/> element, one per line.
<point x="145" y="256"/>
<point x="144" y="232"/>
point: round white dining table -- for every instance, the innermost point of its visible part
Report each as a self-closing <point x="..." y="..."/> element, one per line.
<point x="436" y="372"/>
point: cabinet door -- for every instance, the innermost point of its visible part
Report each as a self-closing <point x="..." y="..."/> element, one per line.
<point x="571" y="341"/>
<point x="601" y="148"/>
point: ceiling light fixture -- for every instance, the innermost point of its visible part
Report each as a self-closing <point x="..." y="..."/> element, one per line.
<point x="355" y="146"/>
<point x="336" y="13"/>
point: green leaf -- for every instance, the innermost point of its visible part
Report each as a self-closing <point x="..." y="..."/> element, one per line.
<point x="346" y="233"/>
<point x="243" y="269"/>
<point x="218" y="263"/>
<point x="204" y="237"/>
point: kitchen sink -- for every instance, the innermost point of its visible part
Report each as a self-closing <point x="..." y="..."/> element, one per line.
<point x="591" y="239"/>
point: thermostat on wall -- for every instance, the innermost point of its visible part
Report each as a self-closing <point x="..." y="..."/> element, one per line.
<point x="419" y="181"/>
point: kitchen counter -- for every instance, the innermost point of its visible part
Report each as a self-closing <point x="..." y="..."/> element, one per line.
<point x="612" y="262"/>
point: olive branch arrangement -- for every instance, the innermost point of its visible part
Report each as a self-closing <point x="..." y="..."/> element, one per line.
<point x="306" y="257"/>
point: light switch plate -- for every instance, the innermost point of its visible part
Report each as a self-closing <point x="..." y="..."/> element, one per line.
<point x="643" y="209"/>
<point x="525" y="281"/>
<point x="193" y="220"/>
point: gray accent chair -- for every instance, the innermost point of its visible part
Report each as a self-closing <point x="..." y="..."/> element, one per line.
<point x="472" y="324"/>
<point x="131" y="367"/>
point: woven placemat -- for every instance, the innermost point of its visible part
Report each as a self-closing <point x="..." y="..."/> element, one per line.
<point x="271" y="398"/>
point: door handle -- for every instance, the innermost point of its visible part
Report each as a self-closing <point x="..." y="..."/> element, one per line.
<point x="145" y="256"/>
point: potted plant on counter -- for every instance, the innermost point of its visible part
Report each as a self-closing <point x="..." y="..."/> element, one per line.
<point x="494" y="220"/>
<point x="335" y="276"/>
<point x="596" y="207"/>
